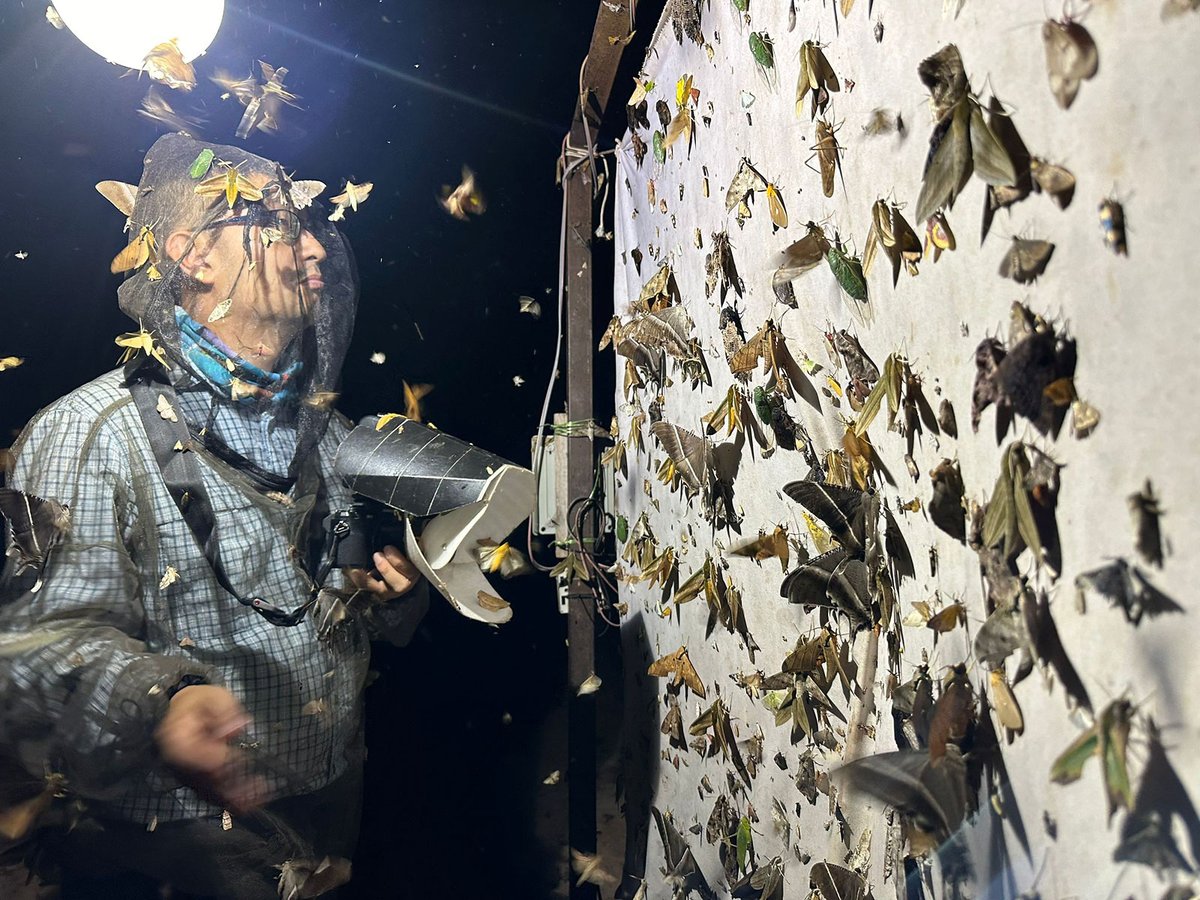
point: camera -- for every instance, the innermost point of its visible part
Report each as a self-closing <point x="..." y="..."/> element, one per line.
<point x="355" y="534"/>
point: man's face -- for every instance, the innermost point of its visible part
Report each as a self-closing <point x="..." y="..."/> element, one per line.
<point x="268" y="286"/>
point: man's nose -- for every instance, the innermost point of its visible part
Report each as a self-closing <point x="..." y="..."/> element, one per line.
<point x="310" y="247"/>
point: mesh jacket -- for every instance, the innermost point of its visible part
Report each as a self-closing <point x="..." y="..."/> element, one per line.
<point x="91" y="656"/>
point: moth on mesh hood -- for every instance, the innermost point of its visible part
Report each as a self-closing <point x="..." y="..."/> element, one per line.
<point x="277" y="272"/>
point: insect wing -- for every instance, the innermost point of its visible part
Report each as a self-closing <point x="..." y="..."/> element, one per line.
<point x="1026" y="260"/>
<point x="1071" y="57"/>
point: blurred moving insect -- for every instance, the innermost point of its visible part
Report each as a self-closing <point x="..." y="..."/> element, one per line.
<point x="463" y="199"/>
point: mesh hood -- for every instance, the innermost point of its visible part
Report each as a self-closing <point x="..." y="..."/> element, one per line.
<point x="244" y="287"/>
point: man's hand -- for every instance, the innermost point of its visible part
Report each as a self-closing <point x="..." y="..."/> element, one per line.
<point x="193" y="738"/>
<point x="396" y="575"/>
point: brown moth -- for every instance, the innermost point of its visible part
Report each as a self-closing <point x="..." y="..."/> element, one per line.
<point x="1071" y="58"/>
<point x="1026" y="260"/>
<point x="1054" y="180"/>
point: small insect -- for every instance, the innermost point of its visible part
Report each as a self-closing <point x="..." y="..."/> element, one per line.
<point x="1144" y="508"/>
<point x="828" y="155"/>
<point x="200" y="164"/>
<point x="847" y="270"/>
<point x="884" y="121"/>
<point x="938" y="236"/>
<point x="10" y="362"/>
<point x="1071" y="58"/>
<point x="1026" y="260"/>
<point x="140" y="341"/>
<point x="660" y="147"/>
<point x="463" y="199"/>
<point x="763" y="50"/>
<point x="350" y="198"/>
<point x="879" y="31"/>
<point x="779" y="216"/>
<point x="1112" y="221"/>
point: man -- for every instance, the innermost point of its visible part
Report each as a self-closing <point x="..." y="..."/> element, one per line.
<point x="184" y="655"/>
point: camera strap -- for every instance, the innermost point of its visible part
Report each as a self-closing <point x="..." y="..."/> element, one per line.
<point x="172" y="445"/>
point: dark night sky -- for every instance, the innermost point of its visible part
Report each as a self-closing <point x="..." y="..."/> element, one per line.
<point x="452" y="791"/>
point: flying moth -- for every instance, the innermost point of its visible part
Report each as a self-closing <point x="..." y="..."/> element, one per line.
<point x="459" y="201"/>
<point x="817" y="76"/>
<point x="1112" y="222"/>
<point x="350" y="198"/>
<point x="164" y="63"/>
<point x="1071" y="58"/>
<point x="828" y="152"/>
<point x="503" y="558"/>
<point x="155" y="107"/>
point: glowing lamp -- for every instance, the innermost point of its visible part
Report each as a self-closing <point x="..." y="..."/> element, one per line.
<point x="124" y="31"/>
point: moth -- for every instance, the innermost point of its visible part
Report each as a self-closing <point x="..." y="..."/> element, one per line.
<point x="350" y="198"/>
<point x="801" y="256"/>
<point x="230" y="184"/>
<point x="679" y="667"/>
<point x="828" y="152"/>
<point x="1020" y="512"/>
<point x="962" y="141"/>
<point x="720" y="268"/>
<point x="1125" y="586"/>
<point x="458" y="201"/>
<point x="11" y="362"/>
<point x="953" y="714"/>
<point x="1071" y="58"/>
<point x="639" y="147"/>
<point x="862" y="370"/>
<point x="946" y="507"/>
<point x="140" y="341"/>
<point x="689" y="455"/>
<point x="589" y="868"/>
<point x="1054" y="180"/>
<point x="1107" y="738"/>
<point x="1112" y="221"/>
<point x="37" y="525"/>
<point x="503" y="558"/>
<point x="891" y="230"/>
<point x="766" y="545"/>
<point x="745" y="182"/>
<point x="716" y="719"/>
<point x="734" y="413"/>
<point x="766" y="881"/>
<point x="835" y="882"/>
<point x="156" y="108"/>
<point x="1004" y="701"/>
<point x="1026" y="260"/>
<point x="264" y="102"/>
<point x="884" y="121"/>
<point x="1147" y="535"/>
<point x="775" y="207"/>
<point x="121" y="195"/>
<point x="164" y="63"/>
<point x="141" y="250"/>
<point x="938" y="236"/>
<point x="933" y="797"/>
<point x="530" y="307"/>
<point x="817" y="76"/>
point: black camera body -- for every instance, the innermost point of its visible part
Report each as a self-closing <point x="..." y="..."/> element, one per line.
<point x="355" y="534"/>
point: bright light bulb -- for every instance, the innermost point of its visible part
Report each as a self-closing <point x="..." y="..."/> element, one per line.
<point x="124" y="31"/>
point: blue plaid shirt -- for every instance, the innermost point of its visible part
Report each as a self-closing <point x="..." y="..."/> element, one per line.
<point x="109" y="636"/>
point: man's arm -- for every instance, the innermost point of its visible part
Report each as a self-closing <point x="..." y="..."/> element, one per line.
<point x="81" y="694"/>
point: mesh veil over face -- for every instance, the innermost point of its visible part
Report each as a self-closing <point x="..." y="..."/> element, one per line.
<point x="257" y="281"/>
